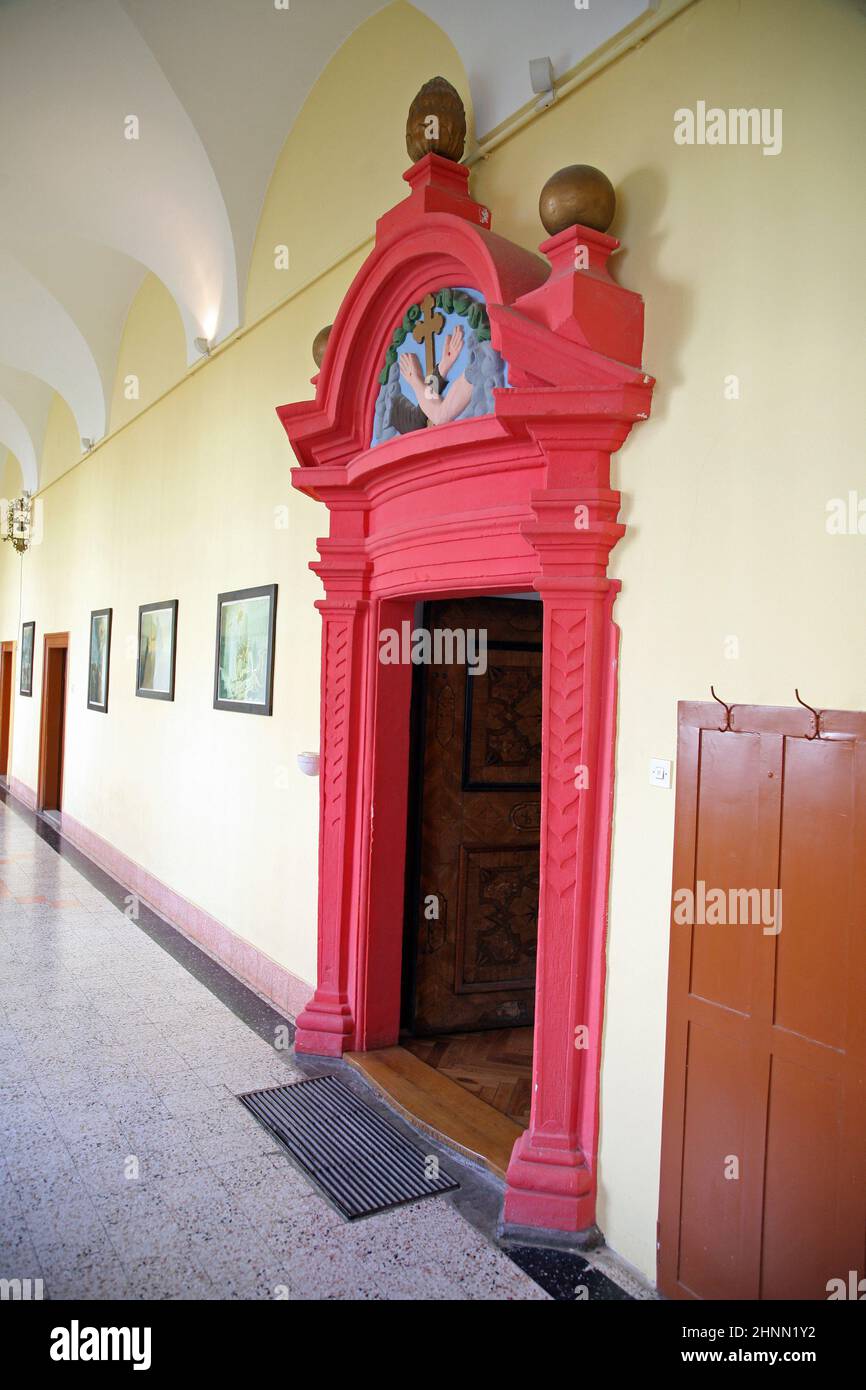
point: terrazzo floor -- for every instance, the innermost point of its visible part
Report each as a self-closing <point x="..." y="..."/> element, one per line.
<point x="129" y="1170"/>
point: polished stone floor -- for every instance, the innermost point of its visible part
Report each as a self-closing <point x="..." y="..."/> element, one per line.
<point x="128" y="1169"/>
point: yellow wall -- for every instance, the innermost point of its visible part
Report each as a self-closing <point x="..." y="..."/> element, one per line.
<point x="11" y="480"/>
<point x="184" y="503"/>
<point x="749" y="265"/>
<point x="10" y="563"/>
<point x="62" y="447"/>
<point x="725" y="499"/>
<point x="152" y="355"/>
<point x="342" y="163"/>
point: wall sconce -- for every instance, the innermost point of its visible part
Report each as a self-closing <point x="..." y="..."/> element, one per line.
<point x="541" y="78"/>
<point x="17" y="522"/>
<point x="309" y="763"/>
<point x="204" y="346"/>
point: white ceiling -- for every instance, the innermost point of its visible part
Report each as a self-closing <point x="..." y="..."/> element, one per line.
<point x="216" y="85"/>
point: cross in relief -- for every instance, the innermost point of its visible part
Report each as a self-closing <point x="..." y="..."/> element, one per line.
<point x="426" y="329"/>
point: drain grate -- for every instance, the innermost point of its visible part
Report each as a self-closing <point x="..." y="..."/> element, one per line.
<point x="359" y="1160"/>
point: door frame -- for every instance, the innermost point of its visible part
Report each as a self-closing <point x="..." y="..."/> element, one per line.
<point x="7" y="656"/>
<point x="516" y="499"/>
<point x="51" y="641"/>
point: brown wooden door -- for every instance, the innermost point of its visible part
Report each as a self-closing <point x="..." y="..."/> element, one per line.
<point x="474" y="903"/>
<point x="763" y="1175"/>
<point x="7" y="660"/>
<point x="53" y="721"/>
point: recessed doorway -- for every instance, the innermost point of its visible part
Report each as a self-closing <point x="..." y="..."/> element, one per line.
<point x="51" y="737"/>
<point x="7" y="663"/>
<point x="473" y="862"/>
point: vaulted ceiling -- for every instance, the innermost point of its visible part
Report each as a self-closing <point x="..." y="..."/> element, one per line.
<point x="215" y="85"/>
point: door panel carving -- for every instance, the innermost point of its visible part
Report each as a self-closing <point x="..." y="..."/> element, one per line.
<point x="474" y="852"/>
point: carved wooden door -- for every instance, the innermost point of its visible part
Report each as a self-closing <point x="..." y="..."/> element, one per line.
<point x="763" y="1186"/>
<point x="474" y="896"/>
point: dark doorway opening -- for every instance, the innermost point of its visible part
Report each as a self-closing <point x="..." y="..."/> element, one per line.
<point x="53" y="721"/>
<point x="7" y="662"/>
<point x="473" y="854"/>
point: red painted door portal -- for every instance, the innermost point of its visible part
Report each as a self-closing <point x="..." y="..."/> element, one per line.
<point x="764" y="1144"/>
<point x="497" y="482"/>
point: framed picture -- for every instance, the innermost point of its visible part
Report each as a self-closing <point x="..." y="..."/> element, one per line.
<point x="100" y="653"/>
<point x="157" y="642"/>
<point x="244" y="660"/>
<point x="28" y="638"/>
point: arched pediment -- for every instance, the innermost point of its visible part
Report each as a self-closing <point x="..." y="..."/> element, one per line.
<point x="549" y="324"/>
<point x="417" y="252"/>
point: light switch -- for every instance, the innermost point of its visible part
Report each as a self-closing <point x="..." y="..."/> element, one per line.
<point x="660" y="772"/>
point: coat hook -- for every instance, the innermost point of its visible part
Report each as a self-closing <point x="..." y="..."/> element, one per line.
<point x="728" y="711"/>
<point x="816" y="715"/>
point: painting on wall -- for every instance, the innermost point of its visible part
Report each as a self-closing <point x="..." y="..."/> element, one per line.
<point x="100" y="651"/>
<point x="244" y="660"/>
<point x="28" y="637"/>
<point x="439" y="366"/>
<point x="157" y="640"/>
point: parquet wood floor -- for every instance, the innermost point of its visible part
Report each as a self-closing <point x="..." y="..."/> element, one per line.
<point x="495" y="1066"/>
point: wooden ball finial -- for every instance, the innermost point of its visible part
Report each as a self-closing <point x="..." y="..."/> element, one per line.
<point x="436" y="123"/>
<point x="577" y="195"/>
<point x="320" y="342"/>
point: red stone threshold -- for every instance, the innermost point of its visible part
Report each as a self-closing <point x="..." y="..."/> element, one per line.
<point x="246" y="962"/>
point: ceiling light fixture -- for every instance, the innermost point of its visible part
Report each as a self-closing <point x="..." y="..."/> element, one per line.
<point x="17" y="523"/>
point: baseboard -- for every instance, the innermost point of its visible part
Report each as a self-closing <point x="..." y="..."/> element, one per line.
<point x="23" y="793"/>
<point x="274" y="982"/>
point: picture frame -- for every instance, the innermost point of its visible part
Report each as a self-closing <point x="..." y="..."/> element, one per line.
<point x="28" y="647"/>
<point x="244" y="652"/>
<point x="156" y="655"/>
<point x="99" y="659"/>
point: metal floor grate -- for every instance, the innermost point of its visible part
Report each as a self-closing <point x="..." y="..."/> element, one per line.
<point x="360" y="1161"/>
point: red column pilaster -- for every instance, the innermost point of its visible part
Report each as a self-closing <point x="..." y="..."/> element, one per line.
<point x="551" y="1180"/>
<point x="381" y="886"/>
<point x="327" y="1025"/>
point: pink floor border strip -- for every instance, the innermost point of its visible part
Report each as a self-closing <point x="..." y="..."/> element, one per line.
<point x="279" y="986"/>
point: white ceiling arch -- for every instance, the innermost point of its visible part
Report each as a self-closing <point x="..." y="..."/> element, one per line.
<point x="15" y="435"/>
<point x="243" y="71"/>
<point x="97" y="142"/>
<point x="22" y="424"/>
<point x="39" y="337"/>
